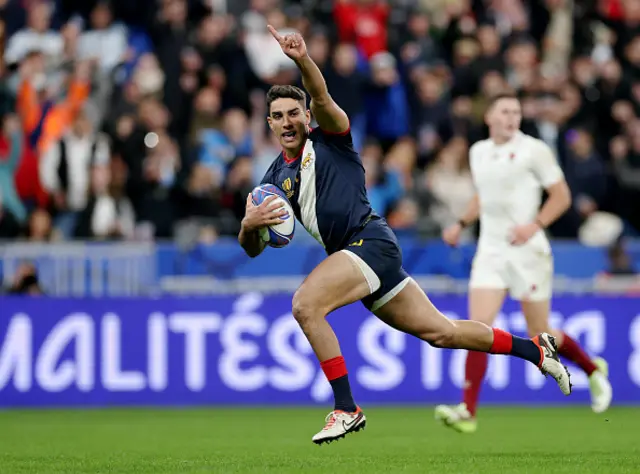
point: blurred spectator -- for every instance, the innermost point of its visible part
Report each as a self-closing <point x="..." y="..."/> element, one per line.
<point x="37" y="36"/>
<point x="619" y="261"/>
<point x="9" y="225"/>
<point x="105" y="42"/>
<point x="364" y="23"/>
<point x="383" y="187"/>
<point x="10" y="153"/>
<point x="490" y="57"/>
<point x="449" y="181"/>
<point x="386" y="100"/>
<point x="404" y="216"/>
<point x="25" y="281"/>
<point x="347" y="88"/>
<point x="585" y="173"/>
<point x="264" y="53"/>
<point x="626" y="162"/>
<point x="416" y="44"/>
<point x="49" y="104"/>
<point x="65" y="171"/>
<point x="220" y="147"/>
<point x="159" y="172"/>
<point x="108" y="214"/>
<point x="431" y="116"/>
<point x="39" y="228"/>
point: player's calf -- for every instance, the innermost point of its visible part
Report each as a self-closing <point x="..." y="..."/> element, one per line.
<point x="336" y="282"/>
<point x="322" y="338"/>
<point x="412" y="312"/>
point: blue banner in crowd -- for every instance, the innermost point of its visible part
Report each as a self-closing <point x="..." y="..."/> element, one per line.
<point x="249" y="350"/>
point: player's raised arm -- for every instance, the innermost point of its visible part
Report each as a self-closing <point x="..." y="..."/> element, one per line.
<point x="329" y="116"/>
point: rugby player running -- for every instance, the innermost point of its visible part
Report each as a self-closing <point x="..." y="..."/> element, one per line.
<point x="510" y="169"/>
<point x="324" y="179"/>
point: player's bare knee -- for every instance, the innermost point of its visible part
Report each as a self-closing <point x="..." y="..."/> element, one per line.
<point x="304" y="308"/>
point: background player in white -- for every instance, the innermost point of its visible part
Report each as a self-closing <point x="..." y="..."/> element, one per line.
<point x="510" y="171"/>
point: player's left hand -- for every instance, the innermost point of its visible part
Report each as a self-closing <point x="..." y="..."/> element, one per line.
<point x="292" y="45"/>
<point x="521" y="234"/>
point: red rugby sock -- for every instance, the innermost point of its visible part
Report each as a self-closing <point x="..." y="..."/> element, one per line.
<point x="475" y="369"/>
<point x="505" y="343"/>
<point x="572" y="351"/>
<point x="336" y="372"/>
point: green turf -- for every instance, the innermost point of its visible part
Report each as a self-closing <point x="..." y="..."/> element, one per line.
<point x="397" y="440"/>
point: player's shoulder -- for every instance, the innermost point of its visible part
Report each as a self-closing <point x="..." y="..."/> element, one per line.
<point x="317" y="135"/>
<point x="533" y="142"/>
<point x="479" y="147"/>
<point x="277" y="163"/>
<point x="339" y="144"/>
<point x="273" y="169"/>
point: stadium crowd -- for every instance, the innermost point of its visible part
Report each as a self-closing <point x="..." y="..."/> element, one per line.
<point x="146" y="119"/>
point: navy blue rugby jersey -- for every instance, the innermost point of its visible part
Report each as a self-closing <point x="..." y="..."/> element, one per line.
<point x="326" y="188"/>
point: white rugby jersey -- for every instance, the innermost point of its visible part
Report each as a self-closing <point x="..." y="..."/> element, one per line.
<point x="509" y="179"/>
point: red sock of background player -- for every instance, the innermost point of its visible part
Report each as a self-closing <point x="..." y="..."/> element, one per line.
<point x="475" y="368"/>
<point x="572" y="351"/>
<point x="336" y="371"/>
<point x="505" y="343"/>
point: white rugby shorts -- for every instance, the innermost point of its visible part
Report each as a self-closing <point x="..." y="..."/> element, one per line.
<point x="526" y="273"/>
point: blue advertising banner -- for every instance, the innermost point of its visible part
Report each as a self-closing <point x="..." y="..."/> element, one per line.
<point x="248" y="349"/>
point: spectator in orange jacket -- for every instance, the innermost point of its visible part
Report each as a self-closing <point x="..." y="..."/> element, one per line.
<point x="47" y="113"/>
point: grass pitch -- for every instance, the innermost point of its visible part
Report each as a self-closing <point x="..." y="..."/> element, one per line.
<point x="397" y="440"/>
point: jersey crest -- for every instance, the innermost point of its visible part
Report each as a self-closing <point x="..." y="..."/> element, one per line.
<point x="287" y="187"/>
<point x="307" y="161"/>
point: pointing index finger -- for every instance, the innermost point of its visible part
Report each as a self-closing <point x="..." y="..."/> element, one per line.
<point x="275" y="33"/>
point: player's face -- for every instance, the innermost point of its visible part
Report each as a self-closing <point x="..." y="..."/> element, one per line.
<point x="504" y="118"/>
<point x="290" y="122"/>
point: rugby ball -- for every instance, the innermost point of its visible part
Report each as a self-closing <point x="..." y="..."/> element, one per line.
<point x="281" y="234"/>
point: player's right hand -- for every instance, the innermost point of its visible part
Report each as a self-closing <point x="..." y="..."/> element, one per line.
<point x="451" y="235"/>
<point x="292" y="45"/>
<point x="267" y="213"/>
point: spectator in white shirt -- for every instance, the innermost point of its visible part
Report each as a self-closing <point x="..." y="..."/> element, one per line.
<point x="36" y="36"/>
<point x="105" y="42"/>
<point x="109" y="213"/>
<point x="65" y="171"/>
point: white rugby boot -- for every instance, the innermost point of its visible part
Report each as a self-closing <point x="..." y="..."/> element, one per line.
<point x="551" y="364"/>
<point x="338" y="424"/>
<point x="600" y="387"/>
<point x="456" y="417"/>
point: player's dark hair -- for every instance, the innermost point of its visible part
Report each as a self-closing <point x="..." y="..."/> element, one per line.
<point x="286" y="92"/>
<point x="502" y="95"/>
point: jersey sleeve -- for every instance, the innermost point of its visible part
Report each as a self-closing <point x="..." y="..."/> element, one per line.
<point x="473" y="154"/>
<point x="268" y="177"/>
<point x="545" y="165"/>
<point x="339" y="140"/>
